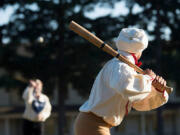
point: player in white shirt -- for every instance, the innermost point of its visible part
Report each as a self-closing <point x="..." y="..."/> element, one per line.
<point x="37" y="108"/>
<point x="118" y="88"/>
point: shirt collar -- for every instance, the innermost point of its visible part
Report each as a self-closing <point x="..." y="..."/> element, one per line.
<point x="127" y="55"/>
<point x="41" y="97"/>
<point x="137" y="63"/>
<point x="131" y="57"/>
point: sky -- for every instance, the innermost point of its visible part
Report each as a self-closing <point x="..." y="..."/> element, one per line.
<point x="103" y="11"/>
<point x="6" y="13"/>
<point x="119" y="9"/>
<point x="99" y="10"/>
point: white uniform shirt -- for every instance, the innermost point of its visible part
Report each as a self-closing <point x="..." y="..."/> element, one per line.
<point x="31" y="113"/>
<point x="115" y="88"/>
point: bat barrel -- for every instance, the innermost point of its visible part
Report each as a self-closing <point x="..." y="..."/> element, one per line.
<point x="85" y="34"/>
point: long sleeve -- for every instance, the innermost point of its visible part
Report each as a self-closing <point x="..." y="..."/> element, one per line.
<point x="27" y="94"/>
<point x="47" y="110"/>
<point x="154" y="100"/>
<point x="124" y="80"/>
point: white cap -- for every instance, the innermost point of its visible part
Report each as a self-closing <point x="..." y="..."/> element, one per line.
<point x="132" y="40"/>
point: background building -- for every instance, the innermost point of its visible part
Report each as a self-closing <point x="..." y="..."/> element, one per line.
<point x="136" y="123"/>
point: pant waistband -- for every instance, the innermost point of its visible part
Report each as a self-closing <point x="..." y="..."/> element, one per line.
<point x="98" y="118"/>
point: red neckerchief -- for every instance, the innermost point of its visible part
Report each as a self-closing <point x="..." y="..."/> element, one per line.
<point x="137" y="63"/>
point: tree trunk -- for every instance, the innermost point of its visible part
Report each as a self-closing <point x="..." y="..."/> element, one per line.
<point x="160" y="122"/>
<point x="60" y="57"/>
<point x="61" y="109"/>
<point x="160" y="127"/>
<point x="61" y="89"/>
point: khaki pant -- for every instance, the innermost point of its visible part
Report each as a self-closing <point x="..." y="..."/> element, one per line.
<point x="90" y="124"/>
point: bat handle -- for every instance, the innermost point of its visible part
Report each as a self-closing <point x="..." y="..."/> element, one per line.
<point x="168" y="89"/>
<point x="162" y="88"/>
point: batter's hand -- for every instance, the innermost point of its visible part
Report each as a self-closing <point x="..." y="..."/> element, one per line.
<point x="160" y="80"/>
<point x="150" y="73"/>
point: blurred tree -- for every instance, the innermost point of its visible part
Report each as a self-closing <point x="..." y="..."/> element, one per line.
<point x="36" y="43"/>
<point x="64" y="58"/>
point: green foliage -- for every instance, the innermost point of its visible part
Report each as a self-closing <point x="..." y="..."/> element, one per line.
<point x="65" y="57"/>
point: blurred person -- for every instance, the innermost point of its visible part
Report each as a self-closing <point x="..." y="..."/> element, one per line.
<point x="37" y="108"/>
<point x="118" y="88"/>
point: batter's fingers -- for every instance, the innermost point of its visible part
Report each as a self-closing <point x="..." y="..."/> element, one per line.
<point x="161" y="80"/>
<point x="164" y="83"/>
<point x="157" y="77"/>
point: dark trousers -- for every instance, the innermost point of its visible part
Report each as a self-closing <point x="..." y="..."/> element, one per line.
<point x="32" y="128"/>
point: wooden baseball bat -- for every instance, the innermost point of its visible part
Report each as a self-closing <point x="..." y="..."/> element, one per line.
<point x="105" y="47"/>
<point x="21" y="79"/>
